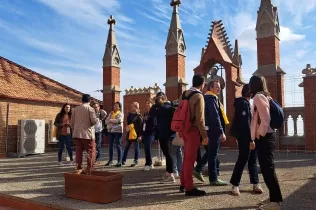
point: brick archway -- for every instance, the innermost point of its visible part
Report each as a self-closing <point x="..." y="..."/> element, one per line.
<point x="218" y="50"/>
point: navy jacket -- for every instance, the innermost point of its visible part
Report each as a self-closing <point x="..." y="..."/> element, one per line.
<point x="213" y="116"/>
<point x="162" y="117"/>
<point x="149" y="121"/>
<point x="242" y="118"/>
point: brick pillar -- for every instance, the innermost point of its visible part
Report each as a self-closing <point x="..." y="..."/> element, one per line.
<point x="175" y="73"/>
<point x="111" y="85"/>
<point x="232" y="91"/>
<point x="310" y="112"/>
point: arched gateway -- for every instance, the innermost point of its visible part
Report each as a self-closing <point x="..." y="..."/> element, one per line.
<point x="218" y="54"/>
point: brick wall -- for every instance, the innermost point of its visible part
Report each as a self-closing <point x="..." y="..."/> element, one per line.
<point x="268" y="50"/>
<point x="111" y="77"/>
<point x="20" y="110"/>
<point x="175" y="67"/>
<point x="310" y="112"/>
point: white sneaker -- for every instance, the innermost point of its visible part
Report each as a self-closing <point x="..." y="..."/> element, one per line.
<point x="148" y="168"/>
<point x="60" y="163"/>
<point x="176" y="175"/>
<point x="271" y="206"/>
<point x="71" y="163"/>
<point x="235" y="190"/>
<point x="168" y="178"/>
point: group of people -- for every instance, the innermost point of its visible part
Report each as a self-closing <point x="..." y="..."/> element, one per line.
<point x="85" y="125"/>
<point x="250" y="126"/>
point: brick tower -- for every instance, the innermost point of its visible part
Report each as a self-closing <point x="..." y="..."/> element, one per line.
<point x="175" y="56"/>
<point x="111" y="69"/>
<point x="268" y="47"/>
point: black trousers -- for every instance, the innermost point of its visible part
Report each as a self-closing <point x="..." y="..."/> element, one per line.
<point x="265" y="148"/>
<point x="165" y="145"/>
<point x="245" y="156"/>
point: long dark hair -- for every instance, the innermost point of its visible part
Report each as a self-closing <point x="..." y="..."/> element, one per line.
<point x="119" y="104"/>
<point x="62" y="111"/>
<point x="258" y="84"/>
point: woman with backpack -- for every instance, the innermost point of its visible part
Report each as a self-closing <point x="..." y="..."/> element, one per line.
<point x="263" y="138"/>
<point x="133" y="132"/>
<point x="162" y="112"/>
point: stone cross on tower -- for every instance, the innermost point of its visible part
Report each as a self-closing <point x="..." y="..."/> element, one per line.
<point x="111" y="69"/>
<point x="111" y="21"/>
<point x="175" y="56"/>
<point x="175" y="3"/>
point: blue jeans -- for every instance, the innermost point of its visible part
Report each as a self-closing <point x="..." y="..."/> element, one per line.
<point x="148" y="140"/>
<point x="64" y="140"/>
<point x="117" y="138"/>
<point x="245" y="155"/>
<point x="98" y="142"/>
<point x="176" y="152"/>
<point x="136" y="148"/>
<point x="202" y="161"/>
<point x="213" y="148"/>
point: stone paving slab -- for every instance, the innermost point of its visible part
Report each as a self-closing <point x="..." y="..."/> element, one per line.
<point x="40" y="179"/>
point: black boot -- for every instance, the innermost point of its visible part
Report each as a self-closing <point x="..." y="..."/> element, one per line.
<point x="109" y="163"/>
<point x="181" y="189"/>
<point x="195" y="192"/>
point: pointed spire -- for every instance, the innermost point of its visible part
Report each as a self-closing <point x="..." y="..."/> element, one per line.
<point x="267" y="20"/>
<point x="265" y="3"/>
<point x="111" y="55"/>
<point x="237" y="57"/>
<point x="175" y="40"/>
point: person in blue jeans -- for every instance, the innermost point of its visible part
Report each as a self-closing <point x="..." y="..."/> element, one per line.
<point x="148" y="135"/>
<point x="241" y="130"/>
<point x="114" y="126"/>
<point x="215" y="121"/>
<point x="201" y="163"/>
<point x="64" y="132"/>
<point x="133" y="133"/>
<point x="101" y="115"/>
<point x="176" y="152"/>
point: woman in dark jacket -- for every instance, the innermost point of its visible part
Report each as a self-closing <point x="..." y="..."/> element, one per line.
<point x="148" y="136"/>
<point x="134" y="132"/>
<point x="163" y="114"/>
<point x="241" y="130"/>
<point x="62" y="122"/>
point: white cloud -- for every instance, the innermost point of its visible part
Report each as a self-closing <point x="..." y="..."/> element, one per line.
<point x="85" y="83"/>
<point x="244" y="30"/>
<point x="301" y="53"/>
<point x="153" y="18"/>
<point x="287" y="35"/>
<point x="298" y="8"/>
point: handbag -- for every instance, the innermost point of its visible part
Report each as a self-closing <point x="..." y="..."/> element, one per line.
<point x="178" y="141"/>
<point x="54" y="134"/>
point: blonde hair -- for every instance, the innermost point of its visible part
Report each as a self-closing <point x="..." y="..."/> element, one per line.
<point x="136" y="104"/>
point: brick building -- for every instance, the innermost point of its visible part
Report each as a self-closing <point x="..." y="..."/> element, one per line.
<point x="25" y="94"/>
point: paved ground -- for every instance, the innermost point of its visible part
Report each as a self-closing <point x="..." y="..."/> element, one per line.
<point x="39" y="178"/>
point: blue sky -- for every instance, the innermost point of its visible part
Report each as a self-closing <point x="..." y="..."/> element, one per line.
<point x="65" y="39"/>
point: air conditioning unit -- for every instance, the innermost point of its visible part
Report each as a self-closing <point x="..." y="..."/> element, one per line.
<point x="31" y="137"/>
